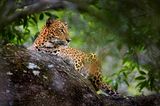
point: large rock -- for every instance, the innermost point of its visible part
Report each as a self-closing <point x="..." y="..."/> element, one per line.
<point x="28" y="78"/>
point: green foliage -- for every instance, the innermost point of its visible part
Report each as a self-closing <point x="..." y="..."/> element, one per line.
<point x="20" y="30"/>
<point x="137" y="25"/>
<point x="17" y="32"/>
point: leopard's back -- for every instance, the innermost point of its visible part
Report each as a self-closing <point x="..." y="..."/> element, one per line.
<point x="88" y="65"/>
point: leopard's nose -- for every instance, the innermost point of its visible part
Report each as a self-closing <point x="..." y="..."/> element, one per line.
<point x="68" y="40"/>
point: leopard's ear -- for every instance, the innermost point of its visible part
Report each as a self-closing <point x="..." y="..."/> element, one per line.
<point x="50" y="20"/>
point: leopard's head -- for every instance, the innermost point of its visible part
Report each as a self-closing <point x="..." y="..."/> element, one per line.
<point x="54" y="33"/>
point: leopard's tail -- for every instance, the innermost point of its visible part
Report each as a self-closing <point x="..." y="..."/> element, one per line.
<point x="100" y="85"/>
<point x="108" y="90"/>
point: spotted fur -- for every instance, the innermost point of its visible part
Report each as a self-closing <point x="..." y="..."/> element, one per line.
<point x="54" y="39"/>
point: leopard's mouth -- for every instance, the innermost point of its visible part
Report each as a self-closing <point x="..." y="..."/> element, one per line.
<point x="58" y="42"/>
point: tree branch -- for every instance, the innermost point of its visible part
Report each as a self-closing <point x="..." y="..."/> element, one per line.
<point x="30" y="9"/>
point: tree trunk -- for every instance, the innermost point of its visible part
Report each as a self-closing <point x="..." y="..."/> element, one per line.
<point x="28" y="78"/>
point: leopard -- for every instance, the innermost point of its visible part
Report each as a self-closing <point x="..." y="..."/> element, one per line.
<point x="54" y="39"/>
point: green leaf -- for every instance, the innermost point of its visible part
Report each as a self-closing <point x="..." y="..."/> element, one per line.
<point x="125" y="74"/>
<point x="41" y="16"/>
<point x="141" y="85"/>
<point x="142" y="72"/>
<point x="116" y="86"/>
<point x="126" y="82"/>
<point x="33" y="17"/>
<point x="48" y="14"/>
<point x="25" y="22"/>
<point x="140" y="78"/>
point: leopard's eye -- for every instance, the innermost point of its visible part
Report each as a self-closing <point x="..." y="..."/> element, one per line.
<point x="62" y="31"/>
